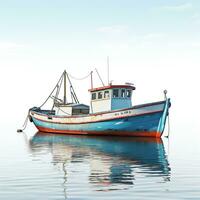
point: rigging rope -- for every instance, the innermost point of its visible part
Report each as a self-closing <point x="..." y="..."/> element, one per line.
<point x="52" y="90"/>
<point x="79" y="78"/>
<point x="62" y="110"/>
<point x="25" y="123"/>
<point x="57" y="92"/>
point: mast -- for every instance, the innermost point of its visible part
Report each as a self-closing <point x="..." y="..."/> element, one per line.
<point x="64" y="87"/>
<point x="108" y="69"/>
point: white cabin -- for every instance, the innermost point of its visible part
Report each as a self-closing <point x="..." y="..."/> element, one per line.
<point x="112" y="97"/>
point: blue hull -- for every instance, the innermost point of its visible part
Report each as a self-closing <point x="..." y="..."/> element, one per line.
<point x="150" y="124"/>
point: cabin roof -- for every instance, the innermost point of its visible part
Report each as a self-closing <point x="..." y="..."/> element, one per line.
<point x="111" y="87"/>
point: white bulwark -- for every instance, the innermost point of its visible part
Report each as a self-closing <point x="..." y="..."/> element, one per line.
<point x="112" y="97"/>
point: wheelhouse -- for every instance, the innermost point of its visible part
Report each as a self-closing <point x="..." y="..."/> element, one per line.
<point x="111" y="97"/>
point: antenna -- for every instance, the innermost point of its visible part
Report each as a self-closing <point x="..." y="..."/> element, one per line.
<point x="108" y="69"/>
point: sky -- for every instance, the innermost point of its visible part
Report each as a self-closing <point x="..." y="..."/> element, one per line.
<point x="154" y="44"/>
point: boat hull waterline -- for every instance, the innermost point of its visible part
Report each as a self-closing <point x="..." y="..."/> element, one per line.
<point x="146" y="120"/>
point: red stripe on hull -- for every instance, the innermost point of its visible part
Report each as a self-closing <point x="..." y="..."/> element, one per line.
<point x="102" y="133"/>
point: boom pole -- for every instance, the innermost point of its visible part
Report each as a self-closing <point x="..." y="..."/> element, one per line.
<point x="91" y="78"/>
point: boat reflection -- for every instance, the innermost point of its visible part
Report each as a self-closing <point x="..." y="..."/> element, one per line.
<point x="111" y="160"/>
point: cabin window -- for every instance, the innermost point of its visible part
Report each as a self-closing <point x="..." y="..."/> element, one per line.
<point x="106" y="94"/>
<point x="94" y="96"/>
<point x="123" y="93"/>
<point x="115" y="93"/>
<point x="128" y="93"/>
<point x="100" y="95"/>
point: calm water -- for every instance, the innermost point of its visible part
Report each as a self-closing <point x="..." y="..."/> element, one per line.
<point x="49" y="166"/>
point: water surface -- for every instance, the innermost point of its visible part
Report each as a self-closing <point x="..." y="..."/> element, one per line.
<point x="36" y="165"/>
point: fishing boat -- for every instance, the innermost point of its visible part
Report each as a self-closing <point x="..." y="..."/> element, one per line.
<point x="110" y="112"/>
